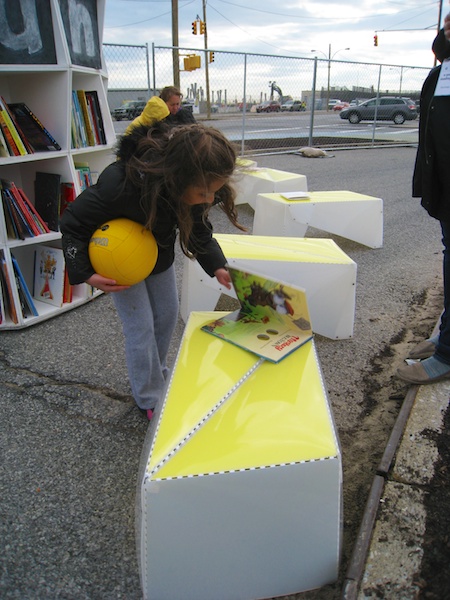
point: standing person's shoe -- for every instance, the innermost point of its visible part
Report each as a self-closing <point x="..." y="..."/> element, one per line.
<point x="427" y="371"/>
<point x="423" y="350"/>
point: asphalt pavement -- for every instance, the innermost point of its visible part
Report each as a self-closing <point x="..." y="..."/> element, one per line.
<point x="71" y="437"/>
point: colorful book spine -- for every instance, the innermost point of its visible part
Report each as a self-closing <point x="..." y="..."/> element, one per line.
<point x="28" y="306"/>
<point x="12" y="128"/>
<point x="7" y="286"/>
<point x="88" y="125"/>
<point x="12" y="146"/>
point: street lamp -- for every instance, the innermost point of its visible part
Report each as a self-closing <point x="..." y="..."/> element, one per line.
<point x="329" y="58"/>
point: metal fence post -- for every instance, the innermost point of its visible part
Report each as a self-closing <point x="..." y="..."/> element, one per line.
<point x="313" y="103"/>
<point x="148" y="70"/>
<point x="244" y="105"/>
<point x="154" y="68"/>
<point x="376" y="107"/>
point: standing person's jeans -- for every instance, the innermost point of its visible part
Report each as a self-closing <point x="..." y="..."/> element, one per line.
<point x="149" y="312"/>
<point x="443" y="346"/>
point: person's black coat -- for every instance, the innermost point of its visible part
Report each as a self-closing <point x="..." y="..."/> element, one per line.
<point x="182" y="117"/>
<point x="110" y="199"/>
<point x="431" y="179"/>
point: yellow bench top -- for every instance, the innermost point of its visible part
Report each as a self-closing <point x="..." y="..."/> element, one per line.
<point x="325" y="196"/>
<point x="228" y="410"/>
<point x="286" y="249"/>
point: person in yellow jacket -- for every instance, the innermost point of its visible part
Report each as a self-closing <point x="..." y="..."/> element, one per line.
<point x="155" y="110"/>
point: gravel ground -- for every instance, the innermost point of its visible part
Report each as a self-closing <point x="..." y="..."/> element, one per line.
<point x="71" y="438"/>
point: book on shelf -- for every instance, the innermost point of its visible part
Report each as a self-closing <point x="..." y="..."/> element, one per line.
<point x="67" y="289"/>
<point x="16" y="219"/>
<point x="21" y="216"/>
<point x="2" y="302"/>
<point x="87" y="126"/>
<point x="49" y="269"/>
<point x="79" y="139"/>
<point x="10" y="143"/>
<point x="47" y="197"/>
<point x="14" y="129"/>
<point x="4" y="149"/>
<point x="94" y="106"/>
<point x="68" y="195"/>
<point x="26" y="301"/>
<point x="87" y="119"/>
<point x="8" y="297"/>
<point x="34" y="132"/>
<point x="272" y="321"/>
<point x="86" y="177"/>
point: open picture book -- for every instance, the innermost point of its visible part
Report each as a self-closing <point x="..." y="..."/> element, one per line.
<point x="272" y="321"/>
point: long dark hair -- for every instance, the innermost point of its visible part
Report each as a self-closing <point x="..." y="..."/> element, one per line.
<point x="164" y="161"/>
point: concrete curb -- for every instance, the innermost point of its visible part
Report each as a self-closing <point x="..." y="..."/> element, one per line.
<point x="388" y="551"/>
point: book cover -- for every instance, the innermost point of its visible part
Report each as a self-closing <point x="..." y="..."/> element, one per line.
<point x="49" y="267"/>
<point x="7" y="288"/>
<point x="272" y="321"/>
<point x="28" y="307"/>
<point x="295" y="195"/>
<point x="47" y="197"/>
<point x="34" y="131"/>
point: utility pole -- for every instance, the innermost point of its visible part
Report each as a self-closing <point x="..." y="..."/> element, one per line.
<point x="208" y="101"/>
<point x="175" y="52"/>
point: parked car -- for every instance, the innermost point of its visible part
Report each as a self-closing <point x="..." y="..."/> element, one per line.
<point x="287" y="105"/>
<point x="270" y="106"/>
<point x="129" y="110"/>
<point x="332" y="102"/>
<point x="357" y="101"/>
<point x="388" y="108"/>
<point x="293" y="105"/>
<point x="188" y="105"/>
<point x="340" y="106"/>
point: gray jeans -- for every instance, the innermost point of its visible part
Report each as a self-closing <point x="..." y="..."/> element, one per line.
<point x="149" y="312"/>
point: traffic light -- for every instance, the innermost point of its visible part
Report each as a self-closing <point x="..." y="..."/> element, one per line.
<point x="202" y="27"/>
<point x="375" y="40"/>
<point x="192" y="62"/>
<point x="211" y="57"/>
<point x="194" y="27"/>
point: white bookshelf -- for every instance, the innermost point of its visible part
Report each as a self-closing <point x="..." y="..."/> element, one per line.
<point x="47" y="90"/>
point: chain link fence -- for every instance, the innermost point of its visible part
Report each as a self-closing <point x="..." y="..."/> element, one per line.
<point x="270" y="103"/>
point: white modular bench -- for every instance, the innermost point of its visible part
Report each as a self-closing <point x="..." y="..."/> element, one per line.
<point x="317" y="265"/>
<point x="258" y="180"/>
<point x="350" y="215"/>
<point x="241" y="488"/>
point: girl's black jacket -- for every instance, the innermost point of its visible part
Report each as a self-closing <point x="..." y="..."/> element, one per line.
<point x="102" y="202"/>
<point x="431" y="179"/>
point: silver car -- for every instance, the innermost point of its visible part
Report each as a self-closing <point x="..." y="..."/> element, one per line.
<point x="385" y="108"/>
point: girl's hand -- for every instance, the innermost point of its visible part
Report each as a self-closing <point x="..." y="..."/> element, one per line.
<point x="223" y="277"/>
<point x="104" y="284"/>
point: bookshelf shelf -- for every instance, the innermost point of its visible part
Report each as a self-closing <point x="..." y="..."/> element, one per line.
<point x="46" y="86"/>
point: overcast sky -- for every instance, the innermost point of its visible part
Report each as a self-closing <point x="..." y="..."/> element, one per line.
<point x="405" y="29"/>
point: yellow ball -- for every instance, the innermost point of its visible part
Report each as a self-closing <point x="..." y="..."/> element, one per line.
<point x="123" y="250"/>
